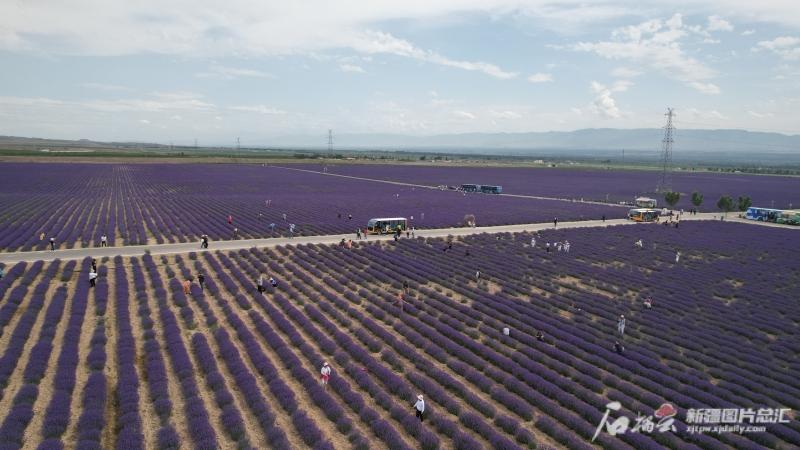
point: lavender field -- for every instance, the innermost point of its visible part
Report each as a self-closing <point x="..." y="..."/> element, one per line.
<point x="589" y="184"/>
<point x="135" y="363"/>
<point x="157" y="203"/>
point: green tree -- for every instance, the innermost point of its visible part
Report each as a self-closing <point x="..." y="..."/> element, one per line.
<point x="697" y="199"/>
<point x="744" y="203"/>
<point x="725" y="204"/>
<point x="672" y="198"/>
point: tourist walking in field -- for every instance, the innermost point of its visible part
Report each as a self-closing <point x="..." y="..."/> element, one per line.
<point x="566" y="246"/>
<point x="365" y="234"/>
<point x="618" y="347"/>
<point x="325" y="373"/>
<point x="53" y="244"/>
<point x="639" y="243"/>
<point x="559" y="246"/>
<point x="202" y="280"/>
<point x="419" y="407"/>
<point x="540" y="336"/>
<point x="272" y="227"/>
<point x="104" y="241"/>
<point x="94" y="265"/>
<point x="349" y="217"/>
<point x="648" y="302"/>
<point x="260" y="284"/>
<point x="533" y="242"/>
<point x="358" y="233"/>
<point x="555" y="222"/>
<point x="204" y="241"/>
<point x="273" y="282"/>
<point x="291" y="230"/>
<point x="236" y="233"/>
<point x="92" y="278"/>
<point x="41" y="236"/>
<point x="412" y="231"/>
<point x="401" y="300"/>
<point x="477" y="276"/>
<point x="1" y="273"/>
<point x="604" y="217"/>
<point x="677" y="257"/>
<point x="405" y="286"/>
<point x="187" y="287"/>
<point x="621" y="324"/>
<point x="230" y="219"/>
<point x="547" y="247"/>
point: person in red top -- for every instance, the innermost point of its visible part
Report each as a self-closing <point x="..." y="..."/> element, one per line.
<point x="230" y="219"/>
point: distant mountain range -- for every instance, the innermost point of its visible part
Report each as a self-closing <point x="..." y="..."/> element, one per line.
<point x="604" y="139"/>
<point x="593" y="141"/>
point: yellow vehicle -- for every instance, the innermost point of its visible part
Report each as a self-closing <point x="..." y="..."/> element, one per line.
<point x="643" y="214"/>
<point x="387" y="225"/>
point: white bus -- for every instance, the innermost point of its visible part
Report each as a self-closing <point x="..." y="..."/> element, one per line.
<point x="387" y="225"/>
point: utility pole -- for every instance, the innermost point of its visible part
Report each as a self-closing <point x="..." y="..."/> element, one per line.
<point x="665" y="184"/>
<point x="238" y="145"/>
<point x="330" y="143"/>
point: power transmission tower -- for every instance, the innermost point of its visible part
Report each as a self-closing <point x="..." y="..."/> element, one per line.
<point x="238" y="144"/>
<point x="330" y="143"/>
<point x="665" y="184"/>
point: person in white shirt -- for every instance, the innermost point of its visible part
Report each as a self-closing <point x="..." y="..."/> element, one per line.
<point x="621" y="324"/>
<point x="104" y="241"/>
<point x="533" y="242"/>
<point x="420" y="406"/>
<point x="326" y="373"/>
<point x="92" y="278"/>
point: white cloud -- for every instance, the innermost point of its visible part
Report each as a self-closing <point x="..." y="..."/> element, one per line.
<point x="604" y="104"/>
<point x="540" y="78"/>
<point x="351" y="68"/>
<point x="373" y="42"/>
<point x="259" y="109"/>
<point x="105" y="87"/>
<point x="625" y="72"/>
<point x="748" y="32"/>
<point x="693" y="114"/>
<point x="505" y="114"/>
<point x="230" y="73"/>
<point x="464" y="115"/>
<point x="144" y="121"/>
<point x="657" y="44"/>
<point x="717" y="23"/>
<point x="760" y="115"/>
<point x="787" y="47"/>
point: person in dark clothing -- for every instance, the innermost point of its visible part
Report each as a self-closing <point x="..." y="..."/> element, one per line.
<point x="204" y="241"/>
<point x="555" y="222"/>
<point x="405" y="287"/>
<point x="349" y="217"/>
<point x="540" y="336"/>
<point x="260" y="284"/>
<point x="618" y="347"/>
<point x="604" y="217"/>
<point x="273" y="282"/>
<point x="94" y="265"/>
<point x="202" y="280"/>
<point x="53" y="244"/>
<point x="92" y="278"/>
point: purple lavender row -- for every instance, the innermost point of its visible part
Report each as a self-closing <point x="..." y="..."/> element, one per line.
<point x="231" y="418"/>
<point x="410" y="423"/>
<point x="19" y="336"/>
<point x="11" y="275"/>
<point x="12" y="430"/>
<point x="92" y="419"/>
<point x="154" y="368"/>
<point x="432" y="389"/>
<point x="321" y="398"/>
<point x="202" y="433"/>
<point x="58" y="413"/>
<point x="129" y="421"/>
<point x="19" y="293"/>
<point x="306" y="427"/>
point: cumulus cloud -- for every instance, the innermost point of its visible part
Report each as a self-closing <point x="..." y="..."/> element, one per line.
<point x="229" y="73"/>
<point x="717" y="23"/>
<point x="351" y="68"/>
<point x="759" y="115"/>
<point x="379" y="42"/>
<point x="748" y="32"/>
<point x="787" y="47"/>
<point x="656" y="44"/>
<point x="258" y="109"/>
<point x="540" y="78"/>
<point x="625" y="72"/>
<point x="604" y="104"/>
<point x="464" y="115"/>
<point x="505" y="114"/>
<point x="144" y="121"/>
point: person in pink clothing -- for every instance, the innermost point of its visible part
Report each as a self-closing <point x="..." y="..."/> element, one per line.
<point x="325" y="372"/>
<point x="187" y="287"/>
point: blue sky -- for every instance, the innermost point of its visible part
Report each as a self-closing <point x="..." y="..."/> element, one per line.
<point x="178" y="70"/>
